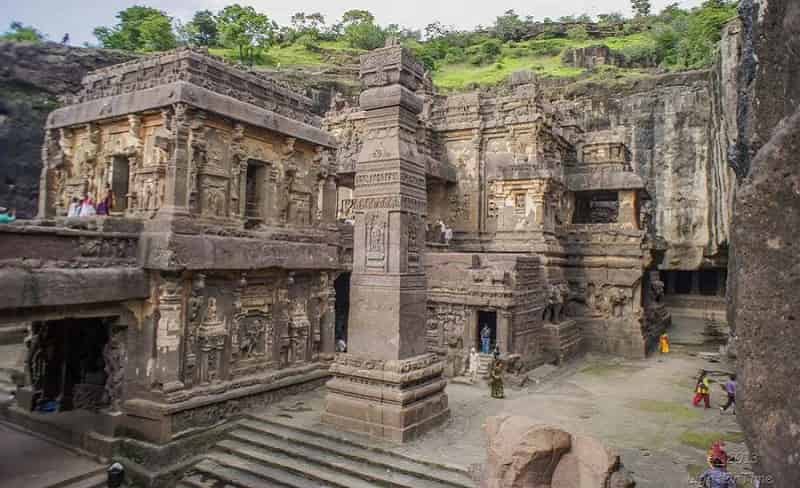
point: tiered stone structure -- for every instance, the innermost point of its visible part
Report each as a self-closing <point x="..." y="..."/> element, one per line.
<point x="386" y="385"/>
<point x="212" y="281"/>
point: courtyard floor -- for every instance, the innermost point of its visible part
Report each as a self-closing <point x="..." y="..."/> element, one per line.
<point x="641" y="408"/>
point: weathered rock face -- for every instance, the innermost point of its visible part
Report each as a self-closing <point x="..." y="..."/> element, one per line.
<point x="665" y="120"/>
<point x="32" y="77"/>
<point x="523" y="454"/>
<point x="765" y="270"/>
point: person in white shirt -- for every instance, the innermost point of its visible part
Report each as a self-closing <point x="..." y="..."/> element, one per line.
<point x="87" y="206"/>
<point x="74" y="208"/>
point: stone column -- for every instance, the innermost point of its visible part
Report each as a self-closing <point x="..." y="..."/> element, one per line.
<point x="387" y="385"/>
<point x="671" y="276"/>
<point x="329" y="200"/>
<point x="176" y="195"/>
<point x="628" y="214"/>
<point x="695" y="282"/>
<point x="169" y="334"/>
<point x="504" y="331"/>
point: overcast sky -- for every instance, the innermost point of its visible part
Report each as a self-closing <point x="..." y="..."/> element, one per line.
<point x="79" y="17"/>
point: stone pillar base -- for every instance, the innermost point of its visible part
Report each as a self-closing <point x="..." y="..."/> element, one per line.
<point x="396" y="400"/>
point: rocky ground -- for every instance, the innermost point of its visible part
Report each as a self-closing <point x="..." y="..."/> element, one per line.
<point x="641" y="408"/>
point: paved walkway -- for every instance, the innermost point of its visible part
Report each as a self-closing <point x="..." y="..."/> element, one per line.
<point x="27" y="461"/>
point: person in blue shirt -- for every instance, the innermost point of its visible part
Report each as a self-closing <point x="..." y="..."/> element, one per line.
<point x="7" y="217"/>
<point x="717" y="476"/>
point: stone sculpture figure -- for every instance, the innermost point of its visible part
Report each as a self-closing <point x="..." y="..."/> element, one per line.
<point x="114" y="358"/>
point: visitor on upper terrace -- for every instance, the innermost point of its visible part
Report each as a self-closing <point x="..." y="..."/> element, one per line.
<point x="6" y="216"/>
<point x="107" y="203"/>
<point x="87" y="208"/>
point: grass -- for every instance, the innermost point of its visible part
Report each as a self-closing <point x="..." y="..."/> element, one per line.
<point x="674" y="411"/>
<point x="703" y="439"/>
<point x="542" y="56"/>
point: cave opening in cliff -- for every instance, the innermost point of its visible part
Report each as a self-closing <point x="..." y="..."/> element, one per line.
<point x="67" y="364"/>
<point x="342" y="312"/>
<point x="596" y="207"/>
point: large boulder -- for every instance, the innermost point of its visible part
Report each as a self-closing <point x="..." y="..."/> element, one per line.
<point x="524" y="454"/>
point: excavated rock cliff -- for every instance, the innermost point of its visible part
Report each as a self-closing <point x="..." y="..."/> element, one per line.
<point x="666" y="120"/>
<point x="32" y="77"/>
<point x="764" y="276"/>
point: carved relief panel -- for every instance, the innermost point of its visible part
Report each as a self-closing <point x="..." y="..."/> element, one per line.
<point x="377" y="239"/>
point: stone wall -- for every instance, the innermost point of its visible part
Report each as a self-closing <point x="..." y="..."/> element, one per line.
<point x="32" y="77"/>
<point x="664" y="120"/>
<point x="764" y="275"/>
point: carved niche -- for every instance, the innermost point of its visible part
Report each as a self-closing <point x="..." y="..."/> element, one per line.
<point x="376" y="239"/>
<point x="253" y="328"/>
<point x="211" y="341"/>
<point x="299" y="331"/>
<point x="115" y="357"/>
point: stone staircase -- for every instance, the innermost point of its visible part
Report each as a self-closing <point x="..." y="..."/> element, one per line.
<point x="264" y="452"/>
<point x="484" y="363"/>
<point x="94" y="479"/>
<point x="564" y="339"/>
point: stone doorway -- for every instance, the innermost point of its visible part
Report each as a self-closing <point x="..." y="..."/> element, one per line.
<point x="67" y="364"/>
<point x="342" y="285"/>
<point x="120" y="177"/>
<point x="486" y="319"/>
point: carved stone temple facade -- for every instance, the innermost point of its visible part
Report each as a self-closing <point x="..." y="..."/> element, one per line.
<point x="249" y="236"/>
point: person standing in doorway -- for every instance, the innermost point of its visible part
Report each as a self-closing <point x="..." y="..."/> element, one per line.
<point x="730" y="390"/>
<point x="107" y="203"/>
<point x="486" y="339"/>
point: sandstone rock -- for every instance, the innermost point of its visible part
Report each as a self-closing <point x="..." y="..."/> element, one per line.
<point x="765" y="275"/>
<point x="522" y="454"/>
<point x="589" y="464"/>
<point x="525" y="454"/>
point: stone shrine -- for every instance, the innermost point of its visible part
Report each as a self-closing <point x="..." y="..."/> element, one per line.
<point x="250" y="239"/>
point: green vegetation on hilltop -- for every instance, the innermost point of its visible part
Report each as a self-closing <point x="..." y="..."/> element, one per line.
<point x="674" y="39"/>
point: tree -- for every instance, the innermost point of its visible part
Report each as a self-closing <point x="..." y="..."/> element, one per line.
<point x="641" y="7"/>
<point x="577" y="33"/>
<point x="245" y="29"/>
<point x="360" y="30"/>
<point x="510" y="27"/>
<point x="22" y="33"/>
<point x="139" y="29"/>
<point x="202" y="29"/>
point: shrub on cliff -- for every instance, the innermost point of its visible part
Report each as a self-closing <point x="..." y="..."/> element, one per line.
<point x="22" y="33"/>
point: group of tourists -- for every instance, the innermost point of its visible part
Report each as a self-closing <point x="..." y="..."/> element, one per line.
<point x="86" y="206"/>
<point x="702" y="392"/>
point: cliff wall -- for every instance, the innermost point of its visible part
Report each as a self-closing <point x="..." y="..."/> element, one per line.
<point x="32" y="77"/>
<point x="764" y="276"/>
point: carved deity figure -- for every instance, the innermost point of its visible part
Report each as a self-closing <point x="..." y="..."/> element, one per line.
<point x="114" y="358"/>
<point x="618" y="298"/>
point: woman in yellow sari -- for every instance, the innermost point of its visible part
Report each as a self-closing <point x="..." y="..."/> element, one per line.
<point x="663" y="343"/>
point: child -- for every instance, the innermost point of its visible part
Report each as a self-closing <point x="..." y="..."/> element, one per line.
<point x="701" y="390"/>
<point x="730" y="390"/>
<point x="664" y="343"/>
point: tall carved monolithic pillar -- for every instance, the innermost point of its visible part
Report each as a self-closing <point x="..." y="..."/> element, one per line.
<point x="386" y="385"/>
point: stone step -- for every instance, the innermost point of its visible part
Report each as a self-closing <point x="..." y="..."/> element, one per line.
<point x="381" y="469"/>
<point x="93" y="479"/>
<point x="242" y="473"/>
<point x="359" y="450"/>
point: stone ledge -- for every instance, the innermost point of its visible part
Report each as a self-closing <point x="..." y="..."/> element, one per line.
<point x="195" y="96"/>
